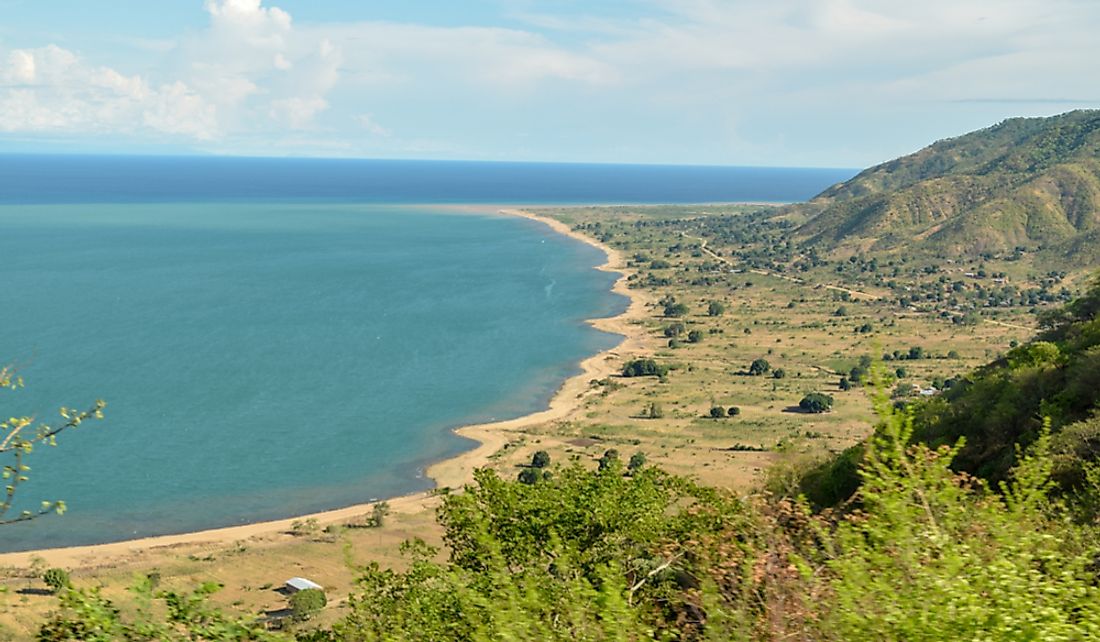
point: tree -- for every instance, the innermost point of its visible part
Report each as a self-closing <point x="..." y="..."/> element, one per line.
<point x="715" y="308"/>
<point x="816" y="402"/>
<point x="841" y="312"/>
<point x="845" y="384"/>
<point x="56" y="579"/>
<point x="18" y="438"/>
<point x="674" y="330"/>
<point x="610" y="458"/>
<point x="653" y="410"/>
<point x="759" y="367"/>
<point x="540" y="459"/>
<point x="733" y="411"/>
<point x="717" y="412"/>
<point x="675" y="310"/>
<point x="529" y="476"/>
<point x="644" y="368"/>
<point x="695" y="336"/>
<point x="637" y="460"/>
<point x="306" y="603"/>
<point x="779" y="373"/>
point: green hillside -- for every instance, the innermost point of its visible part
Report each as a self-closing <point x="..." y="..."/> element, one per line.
<point x="1027" y="183"/>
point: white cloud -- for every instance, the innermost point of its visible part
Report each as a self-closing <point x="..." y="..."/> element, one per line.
<point x="53" y="90"/>
<point x="367" y="122"/>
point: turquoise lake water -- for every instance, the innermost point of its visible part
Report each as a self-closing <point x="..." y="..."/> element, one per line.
<point x="261" y="361"/>
<point x="277" y="337"/>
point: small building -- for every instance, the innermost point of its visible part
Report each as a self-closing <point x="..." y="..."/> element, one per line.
<point x="295" y="584"/>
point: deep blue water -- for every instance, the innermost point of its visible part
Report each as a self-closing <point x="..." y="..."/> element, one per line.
<point x="279" y="337"/>
<point x="89" y="179"/>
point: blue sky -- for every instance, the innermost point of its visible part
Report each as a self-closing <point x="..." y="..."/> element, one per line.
<point x="840" y="83"/>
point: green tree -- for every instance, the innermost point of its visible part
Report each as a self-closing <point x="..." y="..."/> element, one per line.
<point x="816" y="402"/>
<point x="306" y="603"/>
<point x="716" y="308"/>
<point x="56" y="579"/>
<point x="759" y="367"/>
<point x="637" y="460"/>
<point x="717" y="412"/>
<point x="644" y="368"/>
<point x="733" y="411"/>
<point x="541" y="459"/>
<point x="675" y="310"/>
<point x="695" y="336"/>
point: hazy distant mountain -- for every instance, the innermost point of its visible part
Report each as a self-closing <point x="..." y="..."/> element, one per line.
<point x="1032" y="183"/>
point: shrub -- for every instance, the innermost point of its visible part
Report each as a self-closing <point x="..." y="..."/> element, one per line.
<point x="759" y="367"/>
<point x="653" y="410"/>
<point x="673" y="330"/>
<point x="540" y="459"/>
<point x="779" y="373"/>
<point x="637" y="460"/>
<point x="675" y="310"/>
<point x="733" y="411"/>
<point x="816" y="402"/>
<point x="695" y="336"/>
<point x="56" y="578"/>
<point x="715" y="308"/>
<point x="717" y="412"/>
<point x="644" y="368"/>
<point x="306" y="603"/>
<point x="529" y="476"/>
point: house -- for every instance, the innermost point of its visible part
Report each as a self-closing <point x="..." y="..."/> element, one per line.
<point x="295" y="584"/>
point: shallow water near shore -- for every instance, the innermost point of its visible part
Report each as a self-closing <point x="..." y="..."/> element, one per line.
<point x="261" y="361"/>
<point x="273" y="341"/>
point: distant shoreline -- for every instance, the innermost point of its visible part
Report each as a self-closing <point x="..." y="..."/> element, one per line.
<point x="451" y="472"/>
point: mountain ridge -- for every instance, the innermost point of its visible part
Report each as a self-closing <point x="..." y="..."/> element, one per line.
<point x="1028" y="184"/>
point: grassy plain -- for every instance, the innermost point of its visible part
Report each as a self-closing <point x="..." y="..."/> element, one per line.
<point x="736" y="255"/>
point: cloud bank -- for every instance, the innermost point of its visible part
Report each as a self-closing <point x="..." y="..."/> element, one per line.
<point x="703" y="80"/>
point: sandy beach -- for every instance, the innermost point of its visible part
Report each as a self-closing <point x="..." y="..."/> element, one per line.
<point x="452" y="472"/>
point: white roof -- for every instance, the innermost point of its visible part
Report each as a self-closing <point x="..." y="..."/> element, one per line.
<point x="301" y="584"/>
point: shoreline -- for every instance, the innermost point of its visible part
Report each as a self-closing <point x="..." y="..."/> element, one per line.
<point x="452" y="472"/>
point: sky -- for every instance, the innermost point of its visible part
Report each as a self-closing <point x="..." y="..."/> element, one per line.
<point x="806" y="83"/>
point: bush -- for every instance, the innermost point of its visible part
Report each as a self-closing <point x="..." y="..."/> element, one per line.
<point x="675" y="310"/>
<point x="715" y="308"/>
<point x="610" y="457"/>
<point x="644" y="368"/>
<point x="779" y="373"/>
<point x="733" y="411"/>
<point x="816" y="402"/>
<point x="57" y="579"/>
<point x="695" y="336"/>
<point x="674" y="330"/>
<point x="540" y="459"/>
<point x="306" y="603"/>
<point x="759" y="367"/>
<point x="637" y="460"/>
<point x="529" y="476"/>
<point x="717" y="412"/>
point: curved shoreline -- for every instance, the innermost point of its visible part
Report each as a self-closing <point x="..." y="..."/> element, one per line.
<point x="451" y="472"/>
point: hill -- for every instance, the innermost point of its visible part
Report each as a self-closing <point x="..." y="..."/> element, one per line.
<point x="1027" y="184"/>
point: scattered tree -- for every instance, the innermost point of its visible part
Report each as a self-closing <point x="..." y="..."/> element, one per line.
<point x="717" y="412"/>
<point x="306" y="603"/>
<point x="644" y="368"/>
<point x="541" y="459"/>
<point x="715" y="308"/>
<point x="56" y="579"/>
<point x="816" y="402"/>
<point x="759" y="367"/>
<point x="733" y="411"/>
